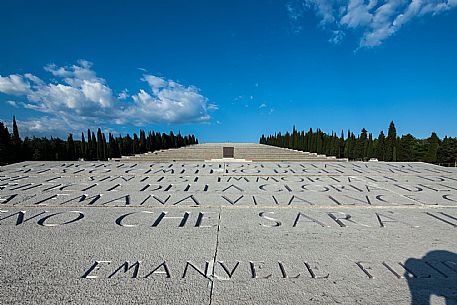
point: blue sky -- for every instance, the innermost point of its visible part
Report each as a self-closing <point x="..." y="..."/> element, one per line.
<point x="229" y="70"/>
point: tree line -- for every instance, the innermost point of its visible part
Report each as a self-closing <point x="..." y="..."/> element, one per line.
<point x="92" y="146"/>
<point x="364" y="146"/>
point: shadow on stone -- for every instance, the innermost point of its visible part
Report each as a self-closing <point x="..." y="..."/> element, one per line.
<point x="434" y="274"/>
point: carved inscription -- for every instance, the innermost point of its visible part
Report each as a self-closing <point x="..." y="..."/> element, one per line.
<point x="192" y="218"/>
<point x="264" y="270"/>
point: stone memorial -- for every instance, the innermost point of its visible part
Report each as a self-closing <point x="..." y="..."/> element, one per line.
<point x="228" y="152"/>
<point x="151" y="230"/>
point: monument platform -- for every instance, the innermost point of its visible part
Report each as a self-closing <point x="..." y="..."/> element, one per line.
<point x="242" y="151"/>
<point x="144" y="232"/>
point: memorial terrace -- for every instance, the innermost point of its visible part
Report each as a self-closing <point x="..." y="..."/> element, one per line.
<point x="149" y="231"/>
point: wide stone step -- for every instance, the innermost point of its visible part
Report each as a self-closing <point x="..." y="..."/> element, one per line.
<point x="246" y="151"/>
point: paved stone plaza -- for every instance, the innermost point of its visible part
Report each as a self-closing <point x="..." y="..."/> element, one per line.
<point x="227" y="233"/>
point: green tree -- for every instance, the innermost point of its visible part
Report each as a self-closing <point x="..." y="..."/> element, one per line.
<point x="105" y="148"/>
<point x="405" y="148"/>
<point x="94" y="145"/>
<point x="5" y="145"/>
<point x="71" y="151"/>
<point x="447" y="152"/>
<point x="83" y="146"/>
<point x="341" y="145"/>
<point x="433" y="146"/>
<point x="381" y="146"/>
<point x="391" y="142"/>
<point x="16" y="142"/>
<point x="89" y="148"/>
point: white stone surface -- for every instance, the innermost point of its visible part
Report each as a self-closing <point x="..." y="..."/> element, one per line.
<point x="242" y="151"/>
<point x="258" y="233"/>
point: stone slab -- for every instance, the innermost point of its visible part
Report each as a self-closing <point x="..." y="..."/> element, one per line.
<point x="215" y="151"/>
<point x="226" y="233"/>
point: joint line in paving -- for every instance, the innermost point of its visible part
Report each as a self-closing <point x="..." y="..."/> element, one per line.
<point x="214" y="258"/>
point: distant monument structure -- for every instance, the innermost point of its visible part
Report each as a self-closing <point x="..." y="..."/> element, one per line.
<point x="238" y="151"/>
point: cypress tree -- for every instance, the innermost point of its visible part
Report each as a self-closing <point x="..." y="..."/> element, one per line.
<point x="83" y="146"/>
<point x="391" y="142"/>
<point x="128" y="145"/>
<point x="70" y="148"/>
<point x="105" y="147"/>
<point x="381" y="149"/>
<point x="99" y="144"/>
<point x="5" y="145"/>
<point x="16" y="142"/>
<point x="136" y="144"/>
<point x="341" y="145"/>
<point x="363" y="144"/>
<point x="348" y="146"/>
<point x="109" y="151"/>
<point x="89" y="146"/>
<point x="405" y="148"/>
<point x="94" y="147"/>
<point x="120" y="143"/>
<point x="370" y="147"/>
<point x="142" y="142"/>
<point x="432" y="151"/>
<point x="352" y="147"/>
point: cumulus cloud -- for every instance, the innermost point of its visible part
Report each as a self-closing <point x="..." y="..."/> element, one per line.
<point x="376" y="20"/>
<point x="124" y="94"/>
<point x="45" y="126"/>
<point x="169" y="101"/>
<point x="12" y="103"/>
<point x="14" y="85"/>
<point x="77" y="96"/>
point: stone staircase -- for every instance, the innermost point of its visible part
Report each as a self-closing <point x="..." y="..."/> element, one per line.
<point x="242" y="152"/>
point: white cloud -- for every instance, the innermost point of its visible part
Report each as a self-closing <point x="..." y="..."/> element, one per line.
<point x="52" y="126"/>
<point x="169" y="101"/>
<point x="376" y="20"/>
<point x="124" y="94"/>
<point x="14" y="85"/>
<point x="212" y="107"/>
<point x="155" y="82"/>
<point x="45" y="126"/>
<point x="357" y="14"/>
<point x="77" y="96"/>
<point x="12" y="103"/>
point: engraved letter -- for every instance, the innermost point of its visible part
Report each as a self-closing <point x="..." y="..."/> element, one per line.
<point x="365" y="269"/>
<point x="345" y="217"/>
<point x="20" y="216"/>
<point x="315" y="268"/>
<point x="125" y="266"/>
<point x="203" y="273"/>
<point x="200" y="218"/>
<point x="165" y="271"/>
<point x="43" y="220"/>
<point x="94" y="267"/>
<point x="163" y="215"/>
<point x="122" y="217"/>
<point x="309" y="219"/>
<point x="254" y="271"/>
<point x="277" y="223"/>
